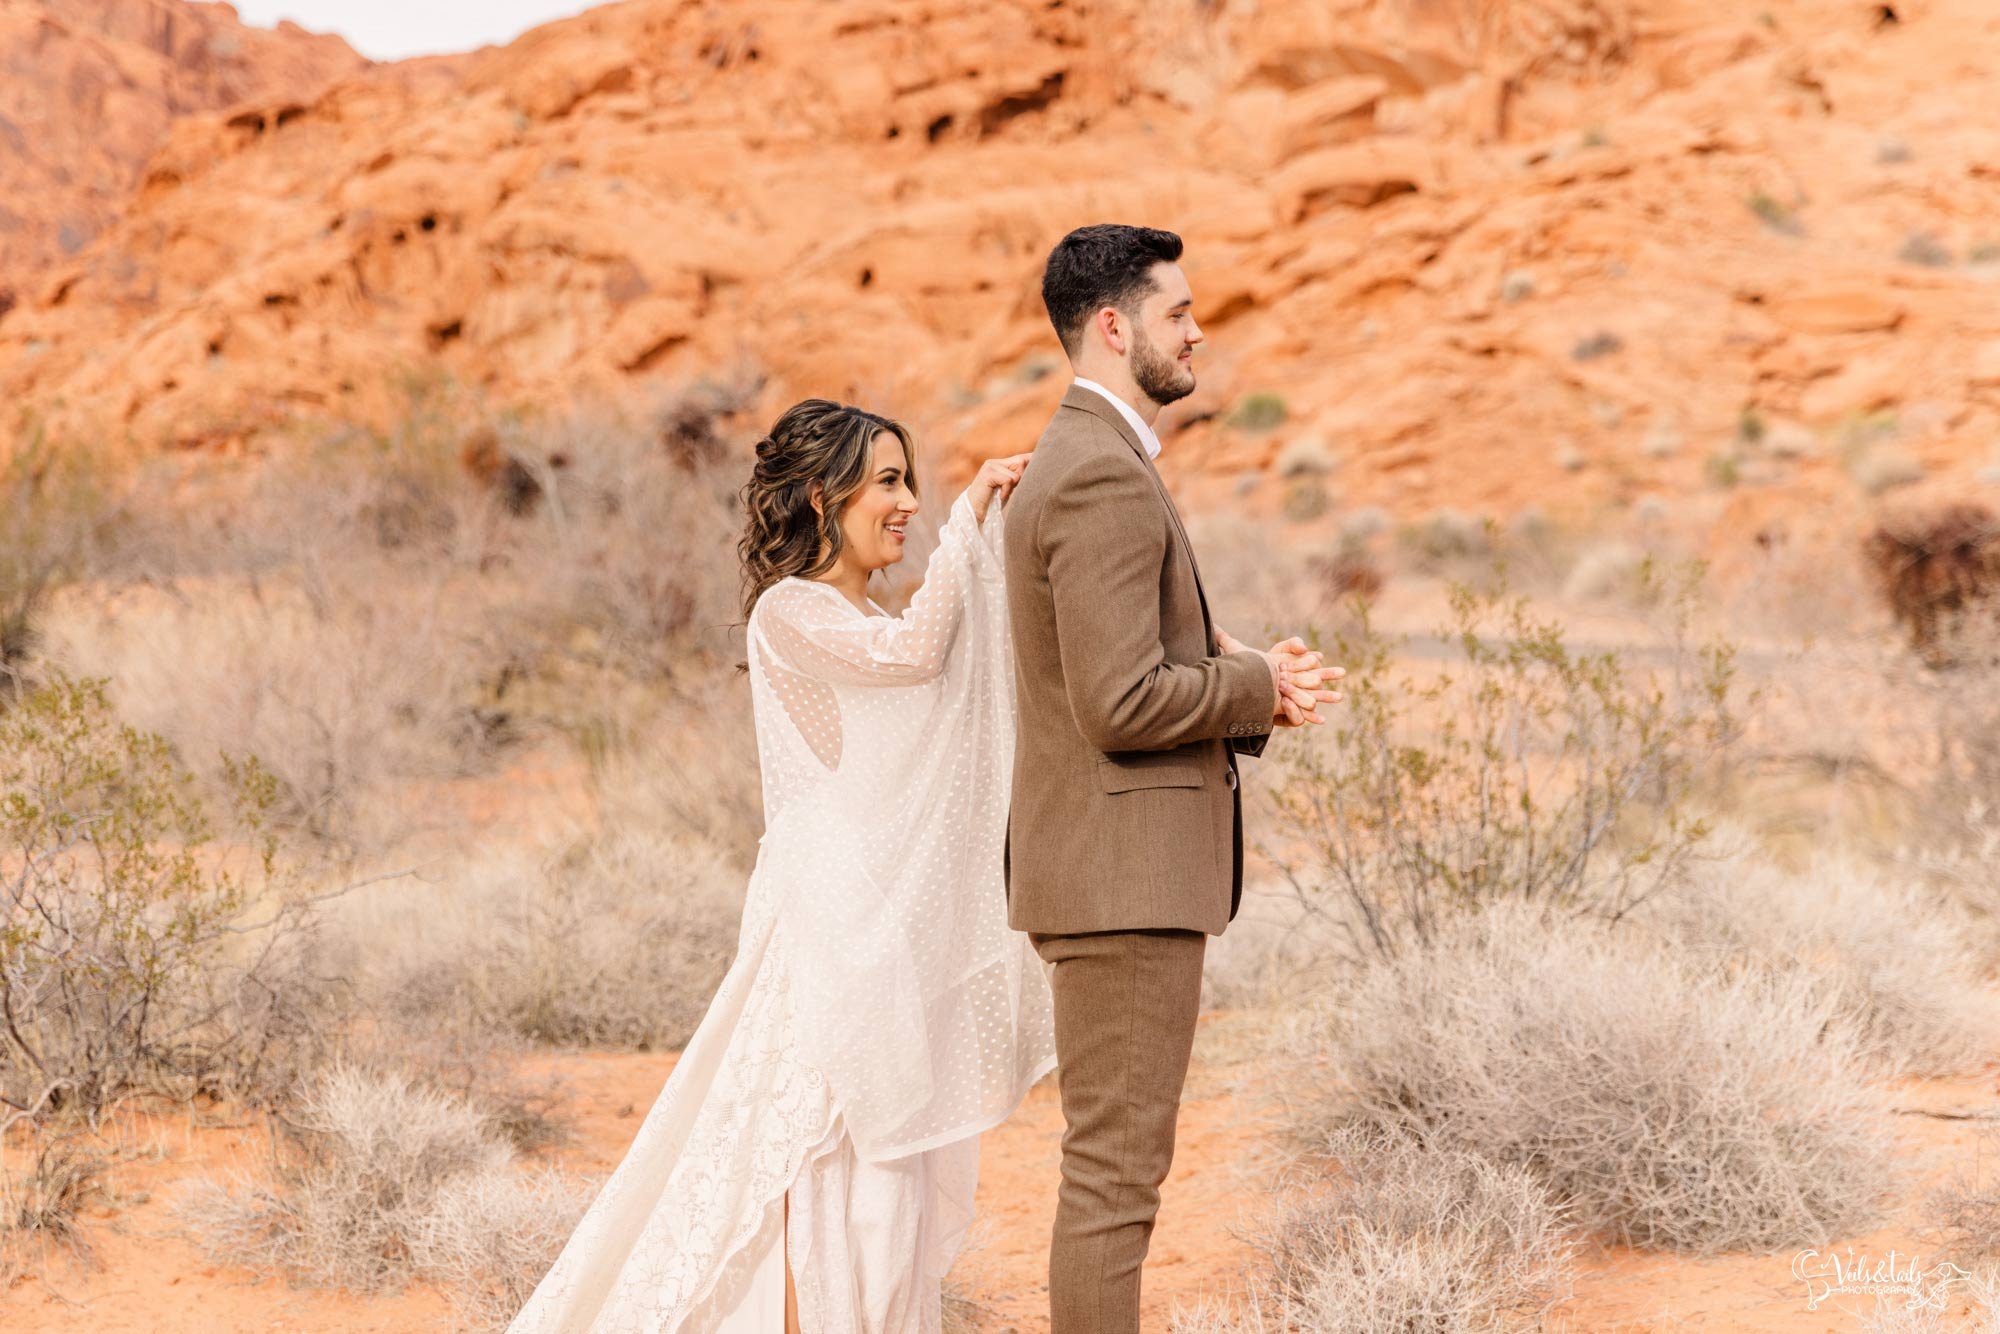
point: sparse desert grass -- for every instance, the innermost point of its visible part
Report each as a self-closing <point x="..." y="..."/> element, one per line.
<point x="1390" y="1236"/>
<point x="689" y="770"/>
<point x="42" y="1197"/>
<point x="1664" y="1102"/>
<point x="1966" y="1209"/>
<point x="1776" y="214"/>
<point x="379" y="1181"/>
<point x="489" y="1237"/>
<point x="1400" y="1236"/>
<point x="612" y="938"/>
<point x="441" y="1053"/>
<point x="1902" y="964"/>
<point x="368" y="682"/>
<point x="1212" y="1315"/>
<point x="54" y="512"/>
<point x="1980" y="1295"/>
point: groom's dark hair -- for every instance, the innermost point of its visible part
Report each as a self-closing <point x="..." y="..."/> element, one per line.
<point x="1107" y="264"/>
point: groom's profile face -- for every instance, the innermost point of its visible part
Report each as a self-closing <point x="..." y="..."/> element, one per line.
<point x="1163" y="337"/>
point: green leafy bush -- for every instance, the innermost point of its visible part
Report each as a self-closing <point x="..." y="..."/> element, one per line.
<point x="1516" y="767"/>
<point x="140" y="953"/>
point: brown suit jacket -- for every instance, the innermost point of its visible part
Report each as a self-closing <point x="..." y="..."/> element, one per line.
<point x="1126" y="811"/>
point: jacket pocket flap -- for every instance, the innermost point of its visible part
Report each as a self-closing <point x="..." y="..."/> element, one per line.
<point x="1126" y="777"/>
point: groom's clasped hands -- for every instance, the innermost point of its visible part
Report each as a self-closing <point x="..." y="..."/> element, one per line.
<point x="1304" y="680"/>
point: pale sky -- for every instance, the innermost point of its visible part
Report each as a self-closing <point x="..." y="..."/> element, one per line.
<point x="393" y="29"/>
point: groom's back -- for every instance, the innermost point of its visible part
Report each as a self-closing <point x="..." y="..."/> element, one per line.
<point x="1124" y="810"/>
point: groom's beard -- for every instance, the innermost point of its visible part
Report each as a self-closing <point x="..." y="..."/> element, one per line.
<point x="1158" y="375"/>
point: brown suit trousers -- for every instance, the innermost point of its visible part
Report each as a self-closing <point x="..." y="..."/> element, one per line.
<point x="1124" y="847"/>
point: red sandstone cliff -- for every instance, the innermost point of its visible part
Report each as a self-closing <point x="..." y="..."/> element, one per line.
<point x="1487" y="253"/>
<point x="88" y="89"/>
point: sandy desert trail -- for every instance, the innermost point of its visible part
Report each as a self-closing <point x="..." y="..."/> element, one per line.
<point x="150" y="1280"/>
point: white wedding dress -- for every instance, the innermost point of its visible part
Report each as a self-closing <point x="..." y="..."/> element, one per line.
<point x="879" y="1013"/>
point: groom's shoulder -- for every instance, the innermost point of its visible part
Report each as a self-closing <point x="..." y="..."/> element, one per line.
<point x="1073" y="433"/>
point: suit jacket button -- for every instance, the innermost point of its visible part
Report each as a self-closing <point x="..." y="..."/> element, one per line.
<point x="1231" y="780"/>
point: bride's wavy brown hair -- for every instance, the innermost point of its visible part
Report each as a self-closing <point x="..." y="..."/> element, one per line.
<point x="814" y="442"/>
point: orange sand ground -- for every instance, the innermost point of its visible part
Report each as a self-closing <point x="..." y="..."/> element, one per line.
<point x="148" y="1278"/>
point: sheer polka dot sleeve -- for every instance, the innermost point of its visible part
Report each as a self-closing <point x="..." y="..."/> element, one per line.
<point x="817" y="633"/>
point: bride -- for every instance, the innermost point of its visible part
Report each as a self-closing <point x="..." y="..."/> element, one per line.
<point x="811" y="1161"/>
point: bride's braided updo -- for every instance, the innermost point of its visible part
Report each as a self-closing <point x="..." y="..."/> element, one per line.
<point x="815" y="443"/>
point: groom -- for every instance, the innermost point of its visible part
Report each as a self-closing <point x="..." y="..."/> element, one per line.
<point x="1125" y="842"/>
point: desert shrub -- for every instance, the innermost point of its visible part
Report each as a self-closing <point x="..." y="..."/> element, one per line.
<point x="1722" y="468"/>
<point x="624" y="948"/>
<point x="141" y="951"/>
<point x="1612" y="570"/>
<point x="630" y="559"/>
<point x="1404" y="1237"/>
<point x="1258" y="412"/>
<point x="489" y="1237"/>
<point x="618" y="938"/>
<point x="1447" y="539"/>
<point x="1901" y="963"/>
<point x="1776" y="214"/>
<point x="1966" y="1209"/>
<point x="1306" y="499"/>
<point x="378" y="1181"/>
<point x="1925" y="249"/>
<point x="53" y="513"/>
<point x="1519" y="768"/>
<point x="689" y="771"/>
<point x="1663" y="1101"/>
<point x="1602" y="343"/>
<point x="467" y="1064"/>
<point x="326" y="614"/>
<point x="1271" y="956"/>
<point x="339" y="696"/>
<point x="1350" y="572"/>
<point x="1306" y="456"/>
<point x="1938" y="570"/>
<point x="1881" y="470"/>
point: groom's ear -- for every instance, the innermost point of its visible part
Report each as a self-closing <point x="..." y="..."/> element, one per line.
<point x="1111" y="323"/>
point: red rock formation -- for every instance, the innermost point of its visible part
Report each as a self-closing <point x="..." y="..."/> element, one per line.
<point x="1489" y="254"/>
<point x="87" y="90"/>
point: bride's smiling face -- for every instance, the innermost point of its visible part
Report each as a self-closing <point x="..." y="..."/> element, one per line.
<point x="873" y="522"/>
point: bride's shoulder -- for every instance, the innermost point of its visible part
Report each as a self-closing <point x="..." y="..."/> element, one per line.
<point x="784" y="597"/>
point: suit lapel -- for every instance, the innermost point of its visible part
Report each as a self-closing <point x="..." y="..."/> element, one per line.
<point x="1086" y="400"/>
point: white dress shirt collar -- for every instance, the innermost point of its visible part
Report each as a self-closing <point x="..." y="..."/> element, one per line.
<point x="1138" y="423"/>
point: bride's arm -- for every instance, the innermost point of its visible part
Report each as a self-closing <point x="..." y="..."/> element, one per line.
<point x="819" y="635"/>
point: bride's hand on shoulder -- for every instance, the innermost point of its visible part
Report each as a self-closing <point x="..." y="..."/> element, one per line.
<point x="996" y="477"/>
